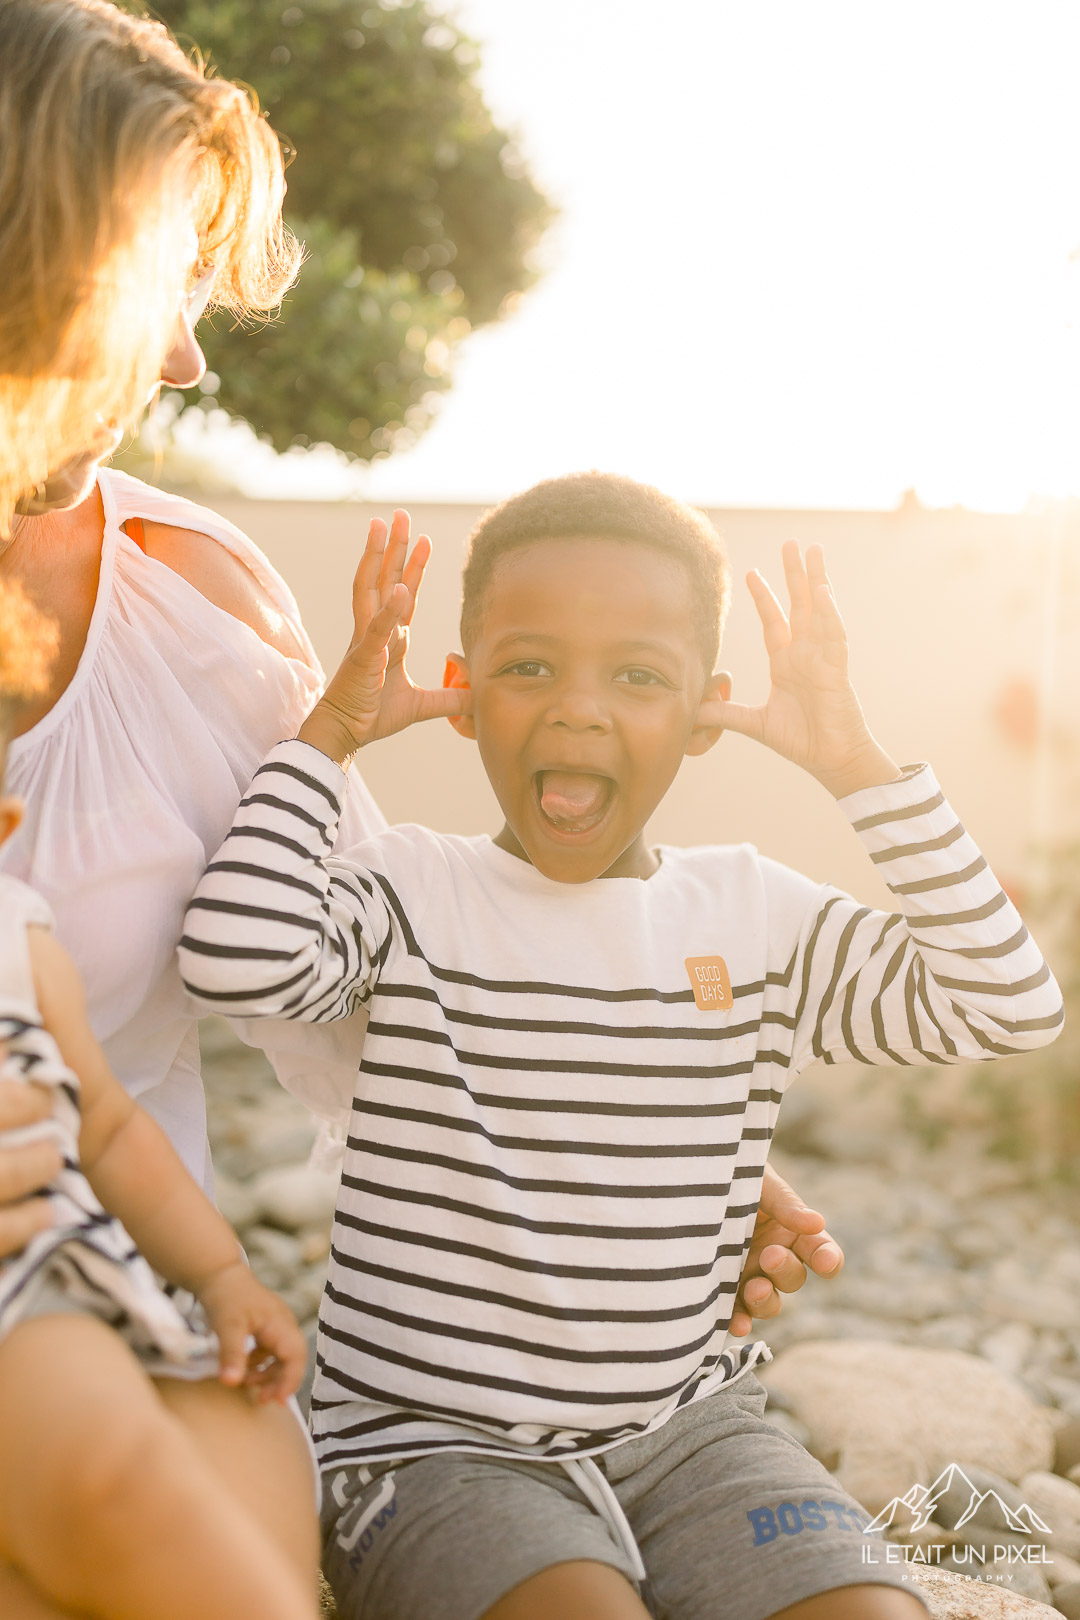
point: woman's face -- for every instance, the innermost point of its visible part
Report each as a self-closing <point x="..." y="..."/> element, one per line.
<point x="183" y="367"/>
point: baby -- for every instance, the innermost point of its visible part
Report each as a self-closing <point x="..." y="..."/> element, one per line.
<point x="121" y="1453"/>
<point x="528" y="1402"/>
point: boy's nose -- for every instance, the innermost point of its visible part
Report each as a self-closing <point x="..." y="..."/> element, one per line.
<point x="579" y="711"/>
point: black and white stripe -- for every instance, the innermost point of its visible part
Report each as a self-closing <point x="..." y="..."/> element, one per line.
<point x="554" y="1157"/>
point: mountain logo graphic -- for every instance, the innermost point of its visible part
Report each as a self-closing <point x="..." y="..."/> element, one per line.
<point x="921" y="1504"/>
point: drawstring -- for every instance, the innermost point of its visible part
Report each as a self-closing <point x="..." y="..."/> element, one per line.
<point x="597" y="1491"/>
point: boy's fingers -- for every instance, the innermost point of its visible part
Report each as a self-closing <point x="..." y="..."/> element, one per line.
<point x="413" y="576"/>
<point x="397" y="547"/>
<point x="365" y="591"/>
<point x="798" y="588"/>
<point x="442" y="702"/>
<point x="780" y="1201"/>
<point x="761" y="1299"/>
<point x="452" y="700"/>
<point x="829" y="628"/>
<point x="376" y="637"/>
<point x="821" y="1253"/>
<point x="773" y="618"/>
<point x="740" y="717"/>
<point x="784" y="1270"/>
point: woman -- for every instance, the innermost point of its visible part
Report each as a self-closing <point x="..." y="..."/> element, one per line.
<point x="124" y="175"/>
<point x="133" y="190"/>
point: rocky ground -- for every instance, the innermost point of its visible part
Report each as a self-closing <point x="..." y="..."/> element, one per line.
<point x="949" y="1249"/>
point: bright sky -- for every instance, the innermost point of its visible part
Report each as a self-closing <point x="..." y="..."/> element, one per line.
<point x="808" y="254"/>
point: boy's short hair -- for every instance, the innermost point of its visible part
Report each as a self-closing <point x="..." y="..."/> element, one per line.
<point x="28" y="644"/>
<point x="603" y="506"/>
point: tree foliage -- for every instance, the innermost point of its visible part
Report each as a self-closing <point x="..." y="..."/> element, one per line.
<point x="417" y="212"/>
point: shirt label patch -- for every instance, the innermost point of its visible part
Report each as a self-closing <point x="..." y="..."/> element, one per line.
<point x="710" y="983"/>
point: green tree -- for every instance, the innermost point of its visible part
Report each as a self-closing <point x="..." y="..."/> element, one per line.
<point x="418" y="214"/>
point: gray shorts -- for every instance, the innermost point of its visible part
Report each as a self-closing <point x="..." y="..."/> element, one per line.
<point x="734" y="1520"/>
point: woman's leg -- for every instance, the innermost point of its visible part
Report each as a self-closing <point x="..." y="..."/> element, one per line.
<point x="106" y="1503"/>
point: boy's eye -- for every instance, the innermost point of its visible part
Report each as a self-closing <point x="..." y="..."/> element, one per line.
<point x="640" y="677"/>
<point x="530" y="668"/>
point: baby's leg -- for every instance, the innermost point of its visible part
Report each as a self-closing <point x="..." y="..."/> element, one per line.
<point x="107" y="1505"/>
<point x="20" y="1601"/>
<point x="261" y="1454"/>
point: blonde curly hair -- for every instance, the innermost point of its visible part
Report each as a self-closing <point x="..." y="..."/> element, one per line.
<point x="28" y="645"/>
<point x="116" y="152"/>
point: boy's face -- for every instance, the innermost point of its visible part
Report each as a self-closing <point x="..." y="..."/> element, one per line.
<point x="586" y="680"/>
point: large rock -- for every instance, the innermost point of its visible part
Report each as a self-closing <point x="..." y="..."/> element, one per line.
<point x="1021" y="1578"/>
<point x="956" y="1597"/>
<point x="885" y="1417"/>
<point x="295" y="1197"/>
<point x="1057" y="1502"/>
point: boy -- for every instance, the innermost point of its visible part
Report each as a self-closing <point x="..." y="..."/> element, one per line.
<point x="527" y="1402"/>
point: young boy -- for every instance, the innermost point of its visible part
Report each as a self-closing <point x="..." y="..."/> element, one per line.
<point x="527" y="1402"/>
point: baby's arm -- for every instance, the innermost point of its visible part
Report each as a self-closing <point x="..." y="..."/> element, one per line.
<point x="139" y="1178"/>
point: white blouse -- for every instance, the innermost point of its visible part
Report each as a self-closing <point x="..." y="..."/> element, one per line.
<point x="131" y="782"/>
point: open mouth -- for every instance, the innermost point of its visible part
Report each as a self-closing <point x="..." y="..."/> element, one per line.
<point x="573" y="801"/>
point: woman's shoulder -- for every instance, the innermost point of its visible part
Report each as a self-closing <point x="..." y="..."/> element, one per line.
<point x="215" y="557"/>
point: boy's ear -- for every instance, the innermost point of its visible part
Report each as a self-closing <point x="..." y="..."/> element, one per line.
<point x="11" y="813"/>
<point x="456" y="674"/>
<point x="708" y="722"/>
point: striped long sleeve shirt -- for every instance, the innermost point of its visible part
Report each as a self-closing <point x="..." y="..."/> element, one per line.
<point x="567" y="1092"/>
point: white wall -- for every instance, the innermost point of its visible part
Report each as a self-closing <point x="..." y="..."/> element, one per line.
<point x="945" y="612"/>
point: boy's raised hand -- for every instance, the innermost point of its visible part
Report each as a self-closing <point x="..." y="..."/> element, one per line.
<point x="811" y="715"/>
<point x="371" y="695"/>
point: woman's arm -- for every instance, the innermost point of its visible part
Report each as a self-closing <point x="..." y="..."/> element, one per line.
<point x="139" y="1178"/>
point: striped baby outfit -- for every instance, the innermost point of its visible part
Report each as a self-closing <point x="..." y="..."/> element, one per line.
<point x="85" y="1261"/>
<point x="561" y="1120"/>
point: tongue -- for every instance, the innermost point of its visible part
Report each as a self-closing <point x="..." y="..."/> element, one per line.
<point x="570" y="797"/>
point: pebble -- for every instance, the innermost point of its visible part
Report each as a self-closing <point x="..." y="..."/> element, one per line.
<point x="1057" y="1501"/>
<point x="1067" y="1600"/>
<point x="1064" y="1571"/>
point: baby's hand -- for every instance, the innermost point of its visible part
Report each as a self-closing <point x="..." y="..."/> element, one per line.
<point x="812" y="715"/>
<point x="240" y="1308"/>
<point x="371" y="696"/>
